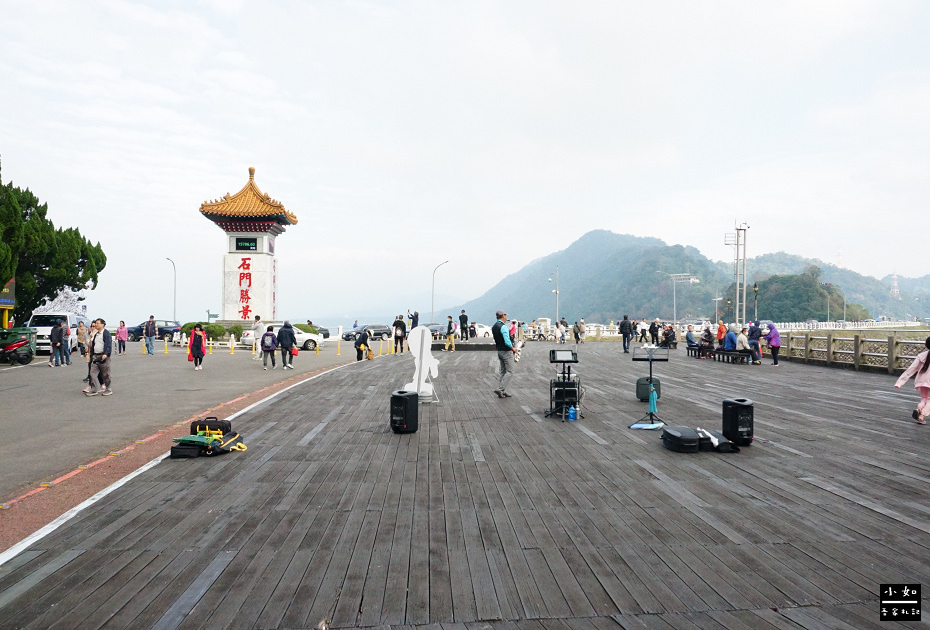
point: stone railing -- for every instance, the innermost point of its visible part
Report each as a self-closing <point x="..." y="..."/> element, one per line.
<point x="863" y="350"/>
<point x="783" y="326"/>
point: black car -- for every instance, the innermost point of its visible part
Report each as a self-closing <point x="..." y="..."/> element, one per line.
<point x="323" y="331"/>
<point x="165" y="328"/>
<point x="375" y="331"/>
<point x="438" y="331"/>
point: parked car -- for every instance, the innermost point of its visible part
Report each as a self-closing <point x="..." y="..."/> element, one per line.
<point x="305" y="340"/>
<point x="323" y="331"/>
<point x="43" y="323"/>
<point x="165" y="329"/>
<point x="482" y="330"/>
<point x="438" y="330"/>
<point x="374" y="330"/>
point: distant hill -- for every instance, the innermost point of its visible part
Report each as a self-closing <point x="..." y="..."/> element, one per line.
<point x="604" y="275"/>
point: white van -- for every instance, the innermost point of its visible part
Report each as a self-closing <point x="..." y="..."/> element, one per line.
<point x="43" y="323"/>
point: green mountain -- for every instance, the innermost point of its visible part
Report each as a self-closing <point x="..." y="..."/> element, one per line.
<point x="603" y="276"/>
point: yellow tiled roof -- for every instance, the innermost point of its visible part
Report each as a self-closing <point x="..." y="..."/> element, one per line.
<point x="249" y="202"/>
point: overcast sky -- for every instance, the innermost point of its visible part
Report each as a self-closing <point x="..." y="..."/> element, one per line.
<point x="403" y="134"/>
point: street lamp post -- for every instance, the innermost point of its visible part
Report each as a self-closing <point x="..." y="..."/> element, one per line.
<point x="755" y="300"/>
<point x="729" y="311"/>
<point x="556" y="291"/>
<point x="175" y="311"/>
<point x="432" y="316"/>
<point x="676" y="278"/>
<point x="717" y="313"/>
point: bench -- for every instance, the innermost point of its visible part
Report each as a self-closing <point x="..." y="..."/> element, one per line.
<point x="730" y="356"/>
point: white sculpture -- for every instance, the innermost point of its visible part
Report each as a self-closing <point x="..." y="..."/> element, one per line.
<point x="421" y="341"/>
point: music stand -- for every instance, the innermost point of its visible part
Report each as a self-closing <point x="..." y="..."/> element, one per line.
<point x="564" y="390"/>
<point x="651" y="355"/>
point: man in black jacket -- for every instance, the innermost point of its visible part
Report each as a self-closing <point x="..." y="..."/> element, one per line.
<point x="361" y="344"/>
<point x="400" y="333"/>
<point x="654" y="332"/>
<point x="287" y="340"/>
<point x="626" y="329"/>
<point x="463" y="325"/>
<point x="54" y="339"/>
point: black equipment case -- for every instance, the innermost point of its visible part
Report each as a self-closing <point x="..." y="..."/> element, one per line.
<point x="680" y="439"/>
<point x="642" y="388"/>
<point x="179" y="451"/>
<point x="708" y="437"/>
<point x="211" y="424"/>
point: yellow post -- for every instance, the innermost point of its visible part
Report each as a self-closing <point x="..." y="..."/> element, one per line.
<point x="338" y="351"/>
<point x="6" y="318"/>
<point x="232" y="344"/>
<point x="317" y="349"/>
<point x="143" y="346"/>
<point x="166" y="344"/>
<point x="380" y="347"/>
<point x="253" y="346"/>
<point x="210" y="344"/>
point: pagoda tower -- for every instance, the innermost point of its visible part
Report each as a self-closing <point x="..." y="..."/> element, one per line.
<point x="252" y="221"/>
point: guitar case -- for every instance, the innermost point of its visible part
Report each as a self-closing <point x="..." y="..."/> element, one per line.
<point x="680" y="439"/>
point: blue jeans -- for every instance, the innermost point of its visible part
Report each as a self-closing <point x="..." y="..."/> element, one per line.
<point x="754" y="350"/>
<point x="57" y="357"/>
<point x="66" y="350"/>
<point x="150" y="345"/>
<point x="626" y="341"/>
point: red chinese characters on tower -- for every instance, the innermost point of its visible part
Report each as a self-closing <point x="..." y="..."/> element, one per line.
<point x="245" y="280"/>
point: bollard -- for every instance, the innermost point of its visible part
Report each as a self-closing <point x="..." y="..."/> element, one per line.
<point x="253" y="347"/>
<point x="166" y="344"/>
<point x="143" y="347"/>
<point x="232" y="344"/>
<point x="210" y="345"/>
<point x="317" y="349"/>
<point x="380" y="347"/>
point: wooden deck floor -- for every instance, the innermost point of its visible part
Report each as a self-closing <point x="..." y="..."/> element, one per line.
<point x="492" y="516"/>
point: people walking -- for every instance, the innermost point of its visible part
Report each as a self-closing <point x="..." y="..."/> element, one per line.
<point x="122" y="335"/>
<point x="463" y="325"/>
<point x="626" y="330"/>
<point x="197" y="346"/>
<point x="773" y="338"/>
<point x="258" y="329"/>
<point x="918" y="369"/>
<point x="82" y="334"/>
<point x="643" y="330"/>
<point x="576" y="333"/>
<point x="89" y="332"/>
<point x="287" y="341"/>
<point x="654" y="331"/>
<point x="400" y="334"/>
<point x="54" y="339"/>
<point x="505" y="353"/>
<point x="268" y="344"/>
<point x="101" y="348"/>
<point x="150" y="331"/>
<point x="450" y="334"/>
<point x="65" y="343"/>
<point x="583" y="330"/>
<point x="361" y="344"/>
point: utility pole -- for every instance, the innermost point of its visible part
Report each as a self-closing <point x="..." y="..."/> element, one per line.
<point x="174" y="315"/>
<point x="556" y="291"/>
<point x="738" y="241"/>
<point x="432" y="315"/>
<point x="676" y="278"/>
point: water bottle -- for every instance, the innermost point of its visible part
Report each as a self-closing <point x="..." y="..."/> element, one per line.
<point x="572" y="414"/>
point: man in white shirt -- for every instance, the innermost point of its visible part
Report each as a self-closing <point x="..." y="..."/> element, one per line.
<point x="258" y="329"/>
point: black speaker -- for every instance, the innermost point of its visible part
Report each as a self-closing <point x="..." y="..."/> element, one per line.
<point x="737" y="421"/>
<point x="404" y="412"/>
<point x="563" y="393"/>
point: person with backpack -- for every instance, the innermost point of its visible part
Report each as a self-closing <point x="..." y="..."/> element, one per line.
<point x="287" y="340"/>
<point x="918" y="369"/>
<point x="269" y="344"/>
<point x="400" y="333"/>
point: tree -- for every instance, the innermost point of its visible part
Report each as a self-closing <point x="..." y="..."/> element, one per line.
<point x="44" y="260"/>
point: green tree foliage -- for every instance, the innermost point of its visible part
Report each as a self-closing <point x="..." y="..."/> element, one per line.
<point x="214" y="331"/>
<point x="43" y="259"/>
<point x="797" y="298"/>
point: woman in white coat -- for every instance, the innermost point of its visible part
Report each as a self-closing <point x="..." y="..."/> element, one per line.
<point x="918" y="369"/>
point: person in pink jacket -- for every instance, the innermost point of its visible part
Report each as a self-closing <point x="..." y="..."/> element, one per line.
<point x="921" y="382"/>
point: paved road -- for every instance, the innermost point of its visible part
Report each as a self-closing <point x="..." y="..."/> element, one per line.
<point x="47" y="426"/>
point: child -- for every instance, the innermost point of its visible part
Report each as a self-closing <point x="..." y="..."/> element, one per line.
<point x="269" y="344"/>
<point x="921" y="383"/>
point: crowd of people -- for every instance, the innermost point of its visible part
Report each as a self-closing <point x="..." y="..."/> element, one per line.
<point x="745" y="339"/>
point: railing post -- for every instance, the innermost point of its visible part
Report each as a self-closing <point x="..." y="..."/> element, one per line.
<point x="857" y="346"/>
<point x="830" y="348"/>
<point x="807" y="347"/>
<point x="892" y="354"/>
